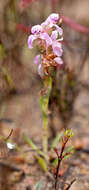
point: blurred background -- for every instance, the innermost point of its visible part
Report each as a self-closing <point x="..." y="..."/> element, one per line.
<point x="20" y="83"/>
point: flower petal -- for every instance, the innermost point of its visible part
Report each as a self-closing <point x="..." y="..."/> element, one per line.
<point x="31" y="38"/>
<point x="36" y="29"/>
<point x="37" y="59"/>
<point x="47" y="38"/>
<point x="58" y="60"/>
<point x="53" y="18"/>
<point x="40" y="70"/>
<point x="59" y="29"/>
<point x="57" y="48"/>
<point x="44" y="24"/>
<point x="54" y="35"/>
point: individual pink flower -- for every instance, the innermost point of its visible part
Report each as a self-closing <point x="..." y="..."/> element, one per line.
<point x="53" y="18"/>
<point x="37" y="34"/>
<point x="30" y="40"/>
<point x="59" y="29"/>
<point x="57" y="48"/>
<point x="36" y="29"/>
<point x="54" y="35"/>
<point x="47" y="38"/>
<point x="49" y="24"/>
<point x="58" y="60"/>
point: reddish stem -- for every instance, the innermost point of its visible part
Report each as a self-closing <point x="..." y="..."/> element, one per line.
<point x="23" y="28"/>
<point x="24" y="3"/>
<point x="60" y="157"/>
<point x="75" y="25"/>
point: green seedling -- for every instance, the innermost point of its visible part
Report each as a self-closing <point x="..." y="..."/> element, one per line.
<point x="64" y="153"/>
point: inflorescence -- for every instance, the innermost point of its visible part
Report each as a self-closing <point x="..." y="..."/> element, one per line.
<point x="47" y="38"/>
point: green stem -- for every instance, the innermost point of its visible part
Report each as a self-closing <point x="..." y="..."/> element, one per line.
<point x="44" y="101"/>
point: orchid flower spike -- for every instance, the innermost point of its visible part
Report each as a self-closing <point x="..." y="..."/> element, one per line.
<point x="48" y="37"/>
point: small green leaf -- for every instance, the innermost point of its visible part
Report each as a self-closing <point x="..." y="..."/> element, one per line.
<point x="35" y="148"/>
<point x="69" y="149"/>
<point x="28" y="140"/>
<point x="66" y="157"/>
<point x="38" y="185"/>
<point x="55" y="162"/>
<point x="42" y="163"/>
<point x="8" y="78"/>
<point x="56" y="140"/>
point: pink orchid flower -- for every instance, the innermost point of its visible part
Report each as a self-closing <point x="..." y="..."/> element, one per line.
<point x="50" y="35"/>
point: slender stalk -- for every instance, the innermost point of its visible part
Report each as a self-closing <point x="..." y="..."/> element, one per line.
<point x="44" y="101"/>
<point x="57" y="171"/>
<point x="60" y="157"/>
<point x="45" y="133"/>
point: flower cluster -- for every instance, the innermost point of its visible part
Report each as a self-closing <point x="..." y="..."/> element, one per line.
<point x="47" y="38"/>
